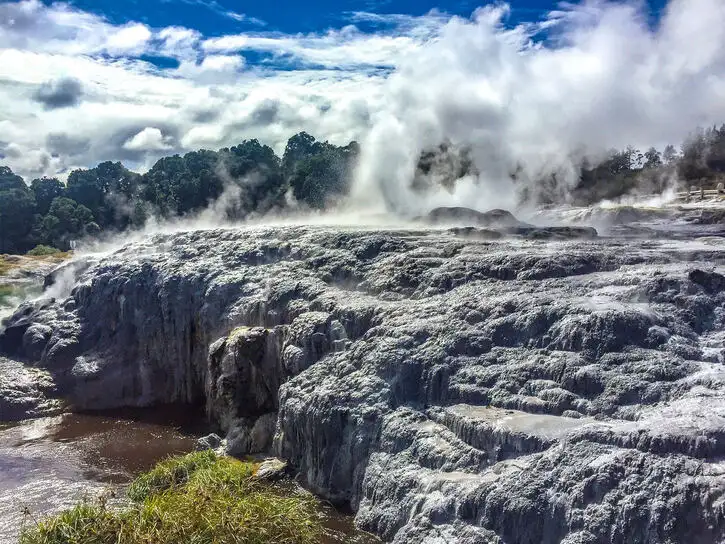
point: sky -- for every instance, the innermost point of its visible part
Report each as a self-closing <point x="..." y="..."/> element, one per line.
<point x="528" y="83"/>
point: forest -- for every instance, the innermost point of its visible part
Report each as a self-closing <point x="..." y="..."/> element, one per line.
<point x="110" y="198"/>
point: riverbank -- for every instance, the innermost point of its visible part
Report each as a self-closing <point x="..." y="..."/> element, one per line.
<point x="200" y="496"/>
<point x="48" y="465"/>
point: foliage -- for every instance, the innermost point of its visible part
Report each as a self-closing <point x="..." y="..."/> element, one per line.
<point x="110" y="197"/>
<point x="41" y="250"/>
<point x="701" y="162"/>
<point x="318" y="172"/>
<point x="45" y="191"/>
<point x="198" y="498"/>
<point x="443" y="166"/>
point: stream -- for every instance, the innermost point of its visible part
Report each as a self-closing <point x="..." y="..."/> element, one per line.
<point x="49" y="464"/>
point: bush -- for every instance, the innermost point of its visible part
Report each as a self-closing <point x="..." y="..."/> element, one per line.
<point x="195" y="499"/>
<point x="41" y="251"/>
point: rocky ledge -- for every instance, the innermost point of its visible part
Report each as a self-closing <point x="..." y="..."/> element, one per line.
<point x="448" y="385"/>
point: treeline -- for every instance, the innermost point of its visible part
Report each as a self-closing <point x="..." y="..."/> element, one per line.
<point x="700" y="162"/>
<point x="314" y="174"/>
<point x="110" y="197"/>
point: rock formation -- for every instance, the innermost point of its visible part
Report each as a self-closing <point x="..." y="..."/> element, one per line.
<point x="448" y="387"/>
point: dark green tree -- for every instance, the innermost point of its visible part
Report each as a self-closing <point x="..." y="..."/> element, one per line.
<point x="652" y="159"/>
<point x="45" y="190"/>
<point x="692" y="166"/>
<point x="17" y="207"/>
<point x="162" y="186"/>
<point x="9" y="180"/>
<point x="65" y="221"/>
<point x="106" y="190"/>
<point x="318" y="172"/>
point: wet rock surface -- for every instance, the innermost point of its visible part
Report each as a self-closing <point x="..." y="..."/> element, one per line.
<point x="448" y="387"/>
<point x="25" y="392"/>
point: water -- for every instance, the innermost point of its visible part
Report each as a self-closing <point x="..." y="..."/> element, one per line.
<point x="49" y="464"/>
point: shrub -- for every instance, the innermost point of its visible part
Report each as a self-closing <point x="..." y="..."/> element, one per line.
<point x="41" y="251"/>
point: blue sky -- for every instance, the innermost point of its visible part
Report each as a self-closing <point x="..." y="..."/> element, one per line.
<point x="529" y="82"/>
<point x="217" y="17"/>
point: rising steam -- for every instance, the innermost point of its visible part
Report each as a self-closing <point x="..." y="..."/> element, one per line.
<point x="538" y="98"/>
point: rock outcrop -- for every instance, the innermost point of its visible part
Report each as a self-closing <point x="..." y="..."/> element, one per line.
<point x="468" y="216"/>
<point x="26" y="392"/>
<point x="448" y="386"/>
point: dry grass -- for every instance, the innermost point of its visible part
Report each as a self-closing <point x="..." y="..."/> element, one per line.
<point x="11" y="262"/>
<point x="199" y="498"/>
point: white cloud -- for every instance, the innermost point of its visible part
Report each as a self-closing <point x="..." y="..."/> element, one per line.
<point x="178" y="42"/>
<point x="213" y="5"/>
<point x="149" y="139"/>
<point x="344" y="48"/>
<point x="128" y="40"/>
<point x="63" y="29"/>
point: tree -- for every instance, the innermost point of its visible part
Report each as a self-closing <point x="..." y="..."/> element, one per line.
<point x="716" y="150"/>
<point x="162" y="186"/>
<point x="65" y="221"/>
<point x="106" y="190"/>
<point x="299" y="147"/>
<point x="204" y="166"/>
<point x="318" y="171"/>
<point x="9" y="180"/>
<point x="692" y="166"/>
<point x="444" y="165"/>
<point x="323" y="176"/>
<point x="17" y="207"/>
<point x="85" y="188"/>
<point x="45" y="190"/>
<point x="669" y="155"/>
<point x="653" y="159"/>
<point x="256" y="170"/>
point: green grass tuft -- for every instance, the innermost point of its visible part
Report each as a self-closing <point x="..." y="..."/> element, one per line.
<point x="199" y="498"/>
<point x="173" y="472"/>
<point x="85" y="523"/>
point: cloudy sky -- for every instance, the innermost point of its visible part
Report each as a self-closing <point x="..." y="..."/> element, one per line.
<point x="531" y="81"/>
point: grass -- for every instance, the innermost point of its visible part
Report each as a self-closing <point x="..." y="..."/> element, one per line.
<point x="199" y="498"/>
<point x="9" y="262"/>
<point x="5" y="265"/>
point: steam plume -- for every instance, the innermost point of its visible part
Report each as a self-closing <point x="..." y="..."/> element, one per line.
<point x="538" y="98"/>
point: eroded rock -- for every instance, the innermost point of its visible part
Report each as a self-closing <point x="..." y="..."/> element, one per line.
<point x="447" y="387"/>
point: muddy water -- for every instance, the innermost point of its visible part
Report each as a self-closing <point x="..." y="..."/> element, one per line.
<point x="49" y="464"/>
